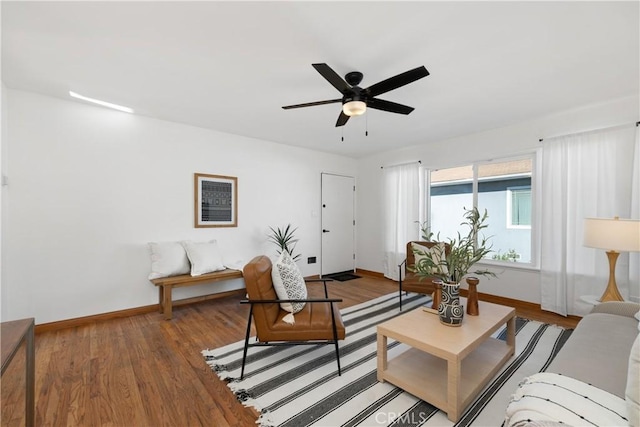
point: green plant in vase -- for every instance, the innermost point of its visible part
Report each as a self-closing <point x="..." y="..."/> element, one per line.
<point x="457" y="261"/>
<point x="285" y="240"/>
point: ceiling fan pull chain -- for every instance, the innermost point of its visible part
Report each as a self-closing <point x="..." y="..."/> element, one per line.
<point x="366" y="125"/>
<point x="342" y="130"/>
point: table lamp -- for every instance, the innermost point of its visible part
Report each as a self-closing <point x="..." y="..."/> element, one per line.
<point x="615" y="235"/>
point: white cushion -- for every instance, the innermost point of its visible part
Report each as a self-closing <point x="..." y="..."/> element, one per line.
<point x="288" y="282"/>
<point x="557" y="398"/>
<point x="436" y="253"/>
<point x="205" y="257"/>
<point x="168" y="259"/>
<point x="632" y="392"/>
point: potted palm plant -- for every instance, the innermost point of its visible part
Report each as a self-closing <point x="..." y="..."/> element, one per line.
<point x="452" y="265"/>
<point x="285" y="240"/>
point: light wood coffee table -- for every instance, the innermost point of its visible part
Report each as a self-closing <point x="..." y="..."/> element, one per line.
<point x="446" y="366"/>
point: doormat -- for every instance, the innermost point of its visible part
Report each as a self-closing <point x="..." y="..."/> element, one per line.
<point x="342" y="277"/>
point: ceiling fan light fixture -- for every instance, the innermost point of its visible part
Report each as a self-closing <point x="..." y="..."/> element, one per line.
<point x="354" y="108"/>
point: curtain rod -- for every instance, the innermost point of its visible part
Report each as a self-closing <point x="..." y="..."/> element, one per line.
<point x="588" y="131"/>
<point x="401" y="164"/>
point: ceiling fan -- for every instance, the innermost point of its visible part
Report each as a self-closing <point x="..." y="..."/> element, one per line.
<point x="355" y="100"/>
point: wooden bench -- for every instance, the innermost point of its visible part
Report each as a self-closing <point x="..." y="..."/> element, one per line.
<point x="166" y="284"/>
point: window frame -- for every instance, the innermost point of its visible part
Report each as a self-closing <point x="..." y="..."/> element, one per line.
<point x="534" y="156"/>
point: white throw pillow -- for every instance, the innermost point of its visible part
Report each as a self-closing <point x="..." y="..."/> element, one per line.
<point x="168" y="259"/>
<point x="632" y="392"/>
<point x="205" y="257"/>
<point x="437" y="254"/>
<point x="288" y="283"/>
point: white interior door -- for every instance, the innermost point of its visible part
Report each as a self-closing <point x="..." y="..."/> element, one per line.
<point x="338" y="224"/>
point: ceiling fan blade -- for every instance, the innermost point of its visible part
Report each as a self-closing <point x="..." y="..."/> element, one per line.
<point x="342" y="119"/>
<point x="392" y="107"/>
<point x="311" y="104"/>
<point x="332" y="77"/>
<point x="397" y="81"/>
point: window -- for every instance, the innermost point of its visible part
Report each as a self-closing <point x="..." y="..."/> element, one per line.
<point x="519" y="207"/>
<point x="502" y="187"/>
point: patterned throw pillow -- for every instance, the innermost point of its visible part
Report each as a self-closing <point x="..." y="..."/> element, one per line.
<point x="436" y="253"/>
<point x="288" y="282"/>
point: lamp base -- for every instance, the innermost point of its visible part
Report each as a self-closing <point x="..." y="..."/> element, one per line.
<point x="612" y="293"/>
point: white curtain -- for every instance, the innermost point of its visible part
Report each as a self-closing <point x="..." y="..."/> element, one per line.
<point x="401" y="205"/>
<point x="583" y="175"/>
<point x="634" y="258"/>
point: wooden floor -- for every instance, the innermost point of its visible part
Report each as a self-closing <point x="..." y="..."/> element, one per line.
<point x="147" y="371"/>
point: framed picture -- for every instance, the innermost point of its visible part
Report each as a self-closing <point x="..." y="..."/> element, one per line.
<point x="216" y="200"/>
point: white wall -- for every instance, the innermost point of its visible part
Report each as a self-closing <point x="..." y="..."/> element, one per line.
<point x="3" y="137"/>
<point x="89" y="187"/>
<point x="507" y="141"/>
<point x="3" y="134"/>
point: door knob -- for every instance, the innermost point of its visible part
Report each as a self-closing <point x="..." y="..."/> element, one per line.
<point x="325" y="231"/>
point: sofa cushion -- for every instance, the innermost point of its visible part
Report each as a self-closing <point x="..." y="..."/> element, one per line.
<point x="596" y="351"/>
<point x="547" y="397"/>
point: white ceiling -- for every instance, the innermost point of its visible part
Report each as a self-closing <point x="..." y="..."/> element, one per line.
<point x="230" y="66"/>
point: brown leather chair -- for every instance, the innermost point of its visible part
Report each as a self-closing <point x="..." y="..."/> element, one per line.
<point x="319" y="322"/>
<point x="411" y="281"/>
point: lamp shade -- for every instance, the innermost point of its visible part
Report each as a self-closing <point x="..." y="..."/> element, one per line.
<point x="621" y="235"/>
<point x="354" y="108"/>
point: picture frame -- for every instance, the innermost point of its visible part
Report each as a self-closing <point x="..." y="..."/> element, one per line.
<point x="216" y="200"/>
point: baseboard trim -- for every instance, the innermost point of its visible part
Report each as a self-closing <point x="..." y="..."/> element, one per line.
<point x="515" y="303"/>
<point x="370" y="273"/>
<point x="82" y="321"/>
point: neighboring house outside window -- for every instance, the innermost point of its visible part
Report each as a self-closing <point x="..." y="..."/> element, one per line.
<point x="519" y="207"/>
<point x="502" y="187"/>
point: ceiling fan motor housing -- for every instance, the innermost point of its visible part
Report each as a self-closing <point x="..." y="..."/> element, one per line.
<point x="353" y="78"/>
<point x="356" y="95"/>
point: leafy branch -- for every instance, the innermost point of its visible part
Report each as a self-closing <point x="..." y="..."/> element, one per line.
<point x="464" y="251"/>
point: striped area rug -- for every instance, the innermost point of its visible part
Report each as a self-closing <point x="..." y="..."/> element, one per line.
<point x="299" y="385"/>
